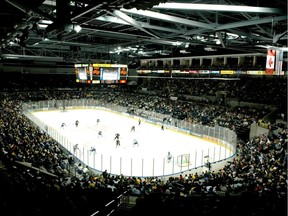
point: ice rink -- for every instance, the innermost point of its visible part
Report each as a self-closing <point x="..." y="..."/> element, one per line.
<point x="148" y="158"/>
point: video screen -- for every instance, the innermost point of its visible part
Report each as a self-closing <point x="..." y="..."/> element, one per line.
<point x="82" y="75"/>
<point x="109" y="74"/>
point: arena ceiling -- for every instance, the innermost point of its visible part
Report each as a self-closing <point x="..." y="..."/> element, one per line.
<point x="129" y="30"/>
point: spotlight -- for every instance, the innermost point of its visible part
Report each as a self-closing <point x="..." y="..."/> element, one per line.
<point x="72" y="27"/>
<point x="77" y="28"/>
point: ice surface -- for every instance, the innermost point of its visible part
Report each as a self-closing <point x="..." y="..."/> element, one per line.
<point x="149" y="158"/>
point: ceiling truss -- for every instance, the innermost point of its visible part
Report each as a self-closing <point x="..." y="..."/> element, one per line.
<point x="130" y="30"/>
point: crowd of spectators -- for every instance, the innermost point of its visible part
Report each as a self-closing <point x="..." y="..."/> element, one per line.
<point x="247" y="64"/>
<point x="254" y="183"/>
<point x="257" y="90"/>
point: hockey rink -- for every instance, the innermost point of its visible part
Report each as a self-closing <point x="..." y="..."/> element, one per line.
<point x="148" y="158"/>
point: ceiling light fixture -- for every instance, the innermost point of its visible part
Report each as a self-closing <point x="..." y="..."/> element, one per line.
<point x="77" y="28"/>
<point x="72" y="27"/>
<point x="47" y="22"/>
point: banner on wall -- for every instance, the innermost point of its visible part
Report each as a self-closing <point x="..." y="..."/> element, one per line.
<point x="176" y="71"/>
<point x="143" y="71"/>
<point x="279" y="62"/>
<point x="193" y="71"/>
<point x="160" y="71"/>
<point x="239" y="72"/>
<point x="184" y="71"/>
<point x="214" y="72"/>
<point x="270" y="62"/>
<point x="204" y="71"/>
<point x="256" y="72"/>
<point x="227" y="71"/>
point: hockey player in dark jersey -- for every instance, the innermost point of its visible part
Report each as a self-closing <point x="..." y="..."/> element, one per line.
<point x="117" y="136"/>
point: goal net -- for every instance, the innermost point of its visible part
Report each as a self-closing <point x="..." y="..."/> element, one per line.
<point x="183" y="160"/>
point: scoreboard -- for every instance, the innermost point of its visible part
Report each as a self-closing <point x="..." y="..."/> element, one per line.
<point x="101" y="73"/>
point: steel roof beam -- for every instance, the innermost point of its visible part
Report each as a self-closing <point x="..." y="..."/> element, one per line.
<point x="142" y="24"/>
<point x="250" y="22"/>
<point x="168" y="18"/>
<point x="216" y="7"/>
<point x="131" y="21"/>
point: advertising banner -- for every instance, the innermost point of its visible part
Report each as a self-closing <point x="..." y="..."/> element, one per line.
<point x="227" y="71"/>
<point x="204" y="71"/>
<point x="270" y="62"/>
<point x="256" y="72"/>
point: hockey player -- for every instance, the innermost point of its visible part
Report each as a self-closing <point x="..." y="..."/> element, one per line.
<point x="62" y="125"/>
<point x="100" y="134"/>
<point x="132" y="129"/>
<point x="117" y="136"/>
<point x="75" y="147"/>
<point x="117" y="142"/>
<point x="76" y="123"/>
<point x="92" y="149"/>
<point x="135" y="142"/>
<point x="169" y="157"/>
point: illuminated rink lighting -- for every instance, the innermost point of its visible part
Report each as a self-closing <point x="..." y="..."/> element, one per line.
<point x="149" y="158"/>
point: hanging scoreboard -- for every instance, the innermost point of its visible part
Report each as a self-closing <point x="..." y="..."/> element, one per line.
<point x="101" y="73"/>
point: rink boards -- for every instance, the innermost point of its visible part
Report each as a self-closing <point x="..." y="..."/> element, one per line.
<point x="147" y="159"/>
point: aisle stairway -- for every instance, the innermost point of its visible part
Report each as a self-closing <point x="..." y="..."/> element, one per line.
<point x="126" y="207"/>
